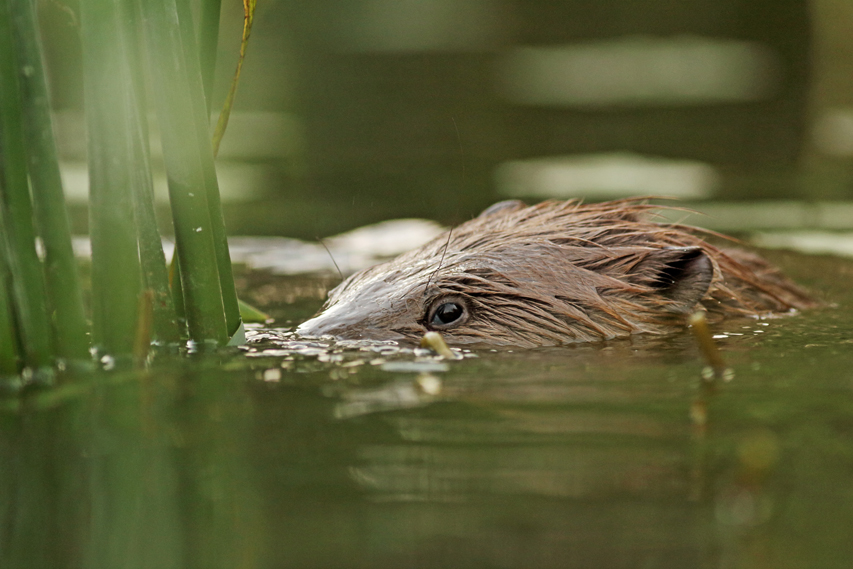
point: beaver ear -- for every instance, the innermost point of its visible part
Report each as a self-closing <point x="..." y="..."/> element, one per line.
<point x="505" y="206"/>
<point x="680" y="274"/>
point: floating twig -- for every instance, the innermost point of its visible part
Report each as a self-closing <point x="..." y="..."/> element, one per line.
<point x="436" y="343"/>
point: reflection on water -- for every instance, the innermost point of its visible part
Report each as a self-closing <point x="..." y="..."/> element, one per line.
<point x="309" y="454"/>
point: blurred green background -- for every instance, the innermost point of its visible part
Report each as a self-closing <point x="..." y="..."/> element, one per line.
<point x="354" y="111"/>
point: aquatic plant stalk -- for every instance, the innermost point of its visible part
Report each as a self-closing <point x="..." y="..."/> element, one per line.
<point x="18" y="233"/>
<point x="155" y="273"/>
<point x="8" y="333"/>
<point x="208" y="40"/>
<point x="251" y="314"/>
<point x="144" y="327"/>
<point x="208" y="44"/>
<point x="211" y="185"/>
<point x="51" y="218"/>
<point x="223" y="256"/>
<point x="114" y="167"/>
<point x="189" y="163"/>
<point x="225" y="114"/>
<point x="177" y="287"/>
<point x="155" y="276"/>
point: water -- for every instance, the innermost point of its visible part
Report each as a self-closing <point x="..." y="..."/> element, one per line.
<point x="292" y="454"/>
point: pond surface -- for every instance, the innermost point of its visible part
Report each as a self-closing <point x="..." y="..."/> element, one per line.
<point x="297" y="454"/>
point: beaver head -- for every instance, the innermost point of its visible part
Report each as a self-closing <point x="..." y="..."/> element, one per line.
<point x="550" y="274"/>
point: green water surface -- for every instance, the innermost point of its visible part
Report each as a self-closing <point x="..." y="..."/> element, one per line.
<point x="304" y="456"/>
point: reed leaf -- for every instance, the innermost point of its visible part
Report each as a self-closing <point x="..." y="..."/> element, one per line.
<point x="217" y="222"/>
<point x="251" y="314"/>
<point x="115" y="165"/>
<point x="60" y="266"/>
<point x="8" y="332"/>
<point x="208" y="44"/>
<point x="176" y="287"/>
<point x="155" y="273"/>
<point x="225" y="114"/>
<point x="181" y="109"/>
<point x="16" y="214"/>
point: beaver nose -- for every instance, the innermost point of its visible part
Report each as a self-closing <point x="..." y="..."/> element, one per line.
<point x="320" y="326"/>
<point x="329" y="324"/>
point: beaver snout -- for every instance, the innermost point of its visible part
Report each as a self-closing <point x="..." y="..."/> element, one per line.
<point x="344" y="328"/>
<point x="364" y="319"/>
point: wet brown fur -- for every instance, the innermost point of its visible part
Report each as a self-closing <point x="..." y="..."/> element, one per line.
<point x="550" y="274"/>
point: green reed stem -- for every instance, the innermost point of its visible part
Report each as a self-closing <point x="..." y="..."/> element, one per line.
<point x="60" y="267"/>
<point x="214" y="203"/>
<point x="8" y="332"/>
<point x="144" y="327"/>
<point x="189" y="163"/>
<point x="155" y="273"/>
<point x="28" y="291"/>
<point x="223" y="259"/>
<point x="115" y="166"/>
<point x="177" y="287"/>
<point x="208" y="44"/>
<point x="8" y="354"/>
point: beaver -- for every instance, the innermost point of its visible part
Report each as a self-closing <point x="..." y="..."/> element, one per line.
<point x="555" y="273"/>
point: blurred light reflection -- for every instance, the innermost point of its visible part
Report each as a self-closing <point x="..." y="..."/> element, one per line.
<point x="641" y="70"/>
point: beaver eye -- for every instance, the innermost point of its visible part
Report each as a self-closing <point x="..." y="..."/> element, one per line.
<point x="447" y="313"/>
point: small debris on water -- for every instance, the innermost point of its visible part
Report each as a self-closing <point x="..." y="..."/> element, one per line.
<point x="434" y="341"/>
<point x="341" y="359"/>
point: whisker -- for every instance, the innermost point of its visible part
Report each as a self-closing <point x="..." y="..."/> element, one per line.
<point x="340" y="273"/>
<point x="440" y="261"/>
